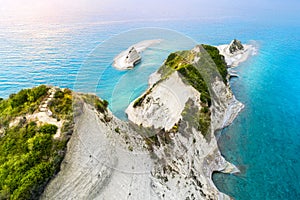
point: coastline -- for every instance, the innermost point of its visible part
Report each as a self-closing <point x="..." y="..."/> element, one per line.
<point x="177" y="162"/>
<point x="226" y="109"/>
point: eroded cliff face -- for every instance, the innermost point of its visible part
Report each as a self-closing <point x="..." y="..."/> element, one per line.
<point x="168" y="150"/>
<point x="162" y="104"/>
<point x="185" y="154"/>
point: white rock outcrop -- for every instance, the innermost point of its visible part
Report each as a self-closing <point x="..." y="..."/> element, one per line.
<point x="184" y="167"/>
<point x="129" y="58"/>
<point x="163" y="106"/>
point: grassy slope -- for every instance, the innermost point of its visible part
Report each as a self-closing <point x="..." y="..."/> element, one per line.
<point x="218" y="59"/>
<point x="181" y="62"/>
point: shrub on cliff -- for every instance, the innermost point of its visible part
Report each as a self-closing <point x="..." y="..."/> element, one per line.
<point x="61" y="105"/>
<point x="27" y="156"/>
<point x="218" y="59"/>
<point x="25" y="101"/>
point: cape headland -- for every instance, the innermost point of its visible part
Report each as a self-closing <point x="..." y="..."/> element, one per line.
<point x="167" y="149"/>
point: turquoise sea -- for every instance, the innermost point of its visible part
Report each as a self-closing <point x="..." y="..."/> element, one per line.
<point x="264" y="141"/>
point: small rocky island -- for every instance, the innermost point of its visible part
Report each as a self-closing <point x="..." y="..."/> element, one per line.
<point x="129" y="58"/>
<point x="235" y="46"/>
<point x="167" y="150"/>
<point x="236" y="53"/>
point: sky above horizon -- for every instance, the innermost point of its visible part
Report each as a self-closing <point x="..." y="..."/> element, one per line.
<point x="155" y="9"/>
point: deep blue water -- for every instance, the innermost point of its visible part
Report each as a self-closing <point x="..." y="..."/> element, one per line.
<point x="264" y="141"/>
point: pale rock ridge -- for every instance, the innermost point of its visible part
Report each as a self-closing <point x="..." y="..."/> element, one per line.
<point x="163" y="106"/>
<point x="105" y="159"/>
<point x="184" y="167"/>
<point x="226" y="108"/>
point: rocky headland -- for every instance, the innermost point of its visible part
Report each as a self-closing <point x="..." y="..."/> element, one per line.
<point x="167" y="149"/>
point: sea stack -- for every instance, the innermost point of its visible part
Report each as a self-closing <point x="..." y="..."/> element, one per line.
<point x="235" y="46"/>
<point x="129" y="58"/>
<point x="132" y="58"/>
<point x="236" y="52"/>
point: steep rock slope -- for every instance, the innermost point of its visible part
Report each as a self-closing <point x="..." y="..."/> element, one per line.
<point x="189" y="88"/>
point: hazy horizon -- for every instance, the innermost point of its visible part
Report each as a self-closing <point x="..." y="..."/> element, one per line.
<point x="151" y="10"/>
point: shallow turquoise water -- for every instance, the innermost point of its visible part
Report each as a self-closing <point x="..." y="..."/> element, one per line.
<point x="264" y="141"/>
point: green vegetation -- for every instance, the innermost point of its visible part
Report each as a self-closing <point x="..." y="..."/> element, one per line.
<point x="117" y="130"/>
<point x="175" y="128"/>
<point x="204" y="120"/>
<point x="189" y="72"/>
<point x="29" y="157"/>
<point x="130" y="148"/>
<point x="61" y="105"/>
<point x="181" y="62"/>
<point x="100" y="105"/>
<point x="218" y="59"/>
<point x="25" y="101"/>
<point x="140" y="100"/>
<point x="151" y="141"/>
<point x="193" y="76"/>
<point x="29" y="154"/>
<point x="158" y="137"/>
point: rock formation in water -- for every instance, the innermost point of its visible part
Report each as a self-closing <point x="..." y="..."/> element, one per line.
<point x="235" y="46"/>
<point x="132" y="58"/>
<point x="129" y="58"/>
<point x="235" y="53"/>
